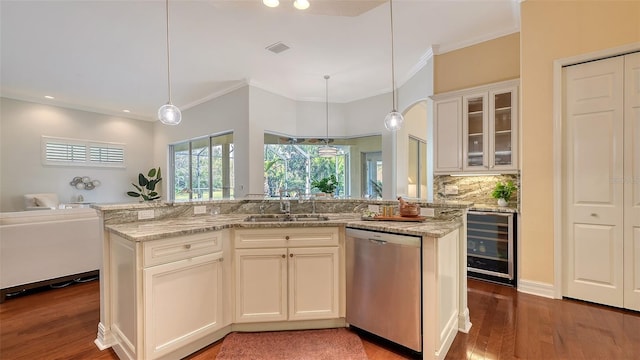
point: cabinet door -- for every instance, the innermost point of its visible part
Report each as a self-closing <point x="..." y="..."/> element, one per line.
<point x="447" y="135"/>
<point x="182" y="303"/>
<point x="503" y="129"/>
<point x="476" y="132"/>
<point x="261" y="285"/>
<point x="314" y="283"/>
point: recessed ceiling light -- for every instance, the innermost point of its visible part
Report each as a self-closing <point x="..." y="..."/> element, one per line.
<point x="271" y="3"/>
<point x="301" y="4"/>
<point x="48" y="97"/>
<point x="126" y="111"/>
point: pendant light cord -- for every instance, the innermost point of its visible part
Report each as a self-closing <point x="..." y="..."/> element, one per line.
<point x="168" y="53"/>
<point x="393" y="75"/>
<point x="326" y="78"/>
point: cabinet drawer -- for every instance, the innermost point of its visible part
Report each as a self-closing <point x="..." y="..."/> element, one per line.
<point x="181" y="247"/>
<point x="284" y="237"/>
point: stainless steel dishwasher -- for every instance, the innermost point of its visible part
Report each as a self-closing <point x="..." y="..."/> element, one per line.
<point x="384" y="285"/>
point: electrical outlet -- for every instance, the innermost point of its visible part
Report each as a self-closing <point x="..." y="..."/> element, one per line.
<point x="450" y="190"/>
<point x="199" y="210"/>
<point x="374" y="208"/>
<point x="430" y="212"/>
<point x="146" y="214"/>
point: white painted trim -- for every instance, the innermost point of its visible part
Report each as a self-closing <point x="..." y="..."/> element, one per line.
<point x="424" y="59"/>
<point x="474" y="41"/>
<point x="558" y="228"/>
<point x="104" y="340"/>
<point x="475" y="89"/>
<point x="217" y="94"/>
<point x="536" y="288"/>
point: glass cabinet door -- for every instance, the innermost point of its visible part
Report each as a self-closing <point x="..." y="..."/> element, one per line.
<point x="502" y="127"/>
<point x="502" y="131"/>
<point x="476" y="131"/>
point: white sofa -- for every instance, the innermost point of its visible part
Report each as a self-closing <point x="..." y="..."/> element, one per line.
<point x="47" y="246"/>
<point x="41" y="201"/>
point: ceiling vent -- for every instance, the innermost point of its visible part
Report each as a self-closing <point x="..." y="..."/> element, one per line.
<point x="277" y="48"/>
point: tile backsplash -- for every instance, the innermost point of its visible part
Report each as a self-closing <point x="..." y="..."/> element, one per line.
<point x="474" y="188"/>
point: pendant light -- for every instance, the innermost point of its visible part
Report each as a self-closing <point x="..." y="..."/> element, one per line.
<point x="168" y="113"/>
<point x="326" y="150"/>
<point x="393" y="121"/>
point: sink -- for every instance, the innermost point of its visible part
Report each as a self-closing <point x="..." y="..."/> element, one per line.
<point x="286" y="217"/>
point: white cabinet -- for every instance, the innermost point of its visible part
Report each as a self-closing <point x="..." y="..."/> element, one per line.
<point x="299" y="280"/>
<point x="171" y="293"/>
<point x="476" y="130"/>
<point x="183" y="302"/>
<point x="447" y="135"/>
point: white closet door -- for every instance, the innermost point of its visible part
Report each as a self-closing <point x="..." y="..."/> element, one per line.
<point x="632" y="183"/>
<point x="593" y="240"/>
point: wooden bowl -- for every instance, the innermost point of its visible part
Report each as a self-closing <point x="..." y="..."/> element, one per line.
<point x="409" y="210"/>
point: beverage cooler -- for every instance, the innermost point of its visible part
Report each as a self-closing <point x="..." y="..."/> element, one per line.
<point x="491" y="246"/>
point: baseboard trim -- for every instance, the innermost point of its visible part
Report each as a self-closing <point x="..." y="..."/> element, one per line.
<point x="536" y="288"/>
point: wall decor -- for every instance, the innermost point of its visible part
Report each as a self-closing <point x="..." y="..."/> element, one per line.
<point x="84" y="183"/>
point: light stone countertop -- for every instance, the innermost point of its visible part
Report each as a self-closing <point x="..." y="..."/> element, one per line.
<point x="159" y="229"/>
<point x="494" y="208"/>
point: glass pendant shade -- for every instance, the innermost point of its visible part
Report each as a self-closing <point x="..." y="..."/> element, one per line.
<point x="327" y="151"/>
<point x="393" y="121"/>
<point x="301" y="4"/>
<point x="271" y="3"/>
<point x="169" y="114"/>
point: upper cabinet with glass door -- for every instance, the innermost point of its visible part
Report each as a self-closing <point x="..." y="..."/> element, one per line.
<point x="489" y="132"/>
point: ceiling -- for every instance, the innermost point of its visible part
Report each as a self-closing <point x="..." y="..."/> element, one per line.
<point x="107" y="56"/>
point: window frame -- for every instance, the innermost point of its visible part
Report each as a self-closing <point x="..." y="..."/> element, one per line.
<point x="81" y="146"/>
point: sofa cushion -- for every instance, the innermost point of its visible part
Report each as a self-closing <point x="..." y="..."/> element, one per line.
<point x="46" y="200"/>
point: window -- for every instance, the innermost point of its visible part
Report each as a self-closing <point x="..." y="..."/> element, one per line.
<point x="372" y="175"/>
<point x="73" y="152"/>
<point x="293" y="163"/>
<point x="417" y="182"/>
<point x="202" y="169"/>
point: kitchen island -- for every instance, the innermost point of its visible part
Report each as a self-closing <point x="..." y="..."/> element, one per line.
<point x="176" y="283"/>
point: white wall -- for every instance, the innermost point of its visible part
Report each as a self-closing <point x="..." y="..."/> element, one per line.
<point x="21" y="170"/>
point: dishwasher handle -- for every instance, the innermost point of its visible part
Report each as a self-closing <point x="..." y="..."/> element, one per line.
<point x="378" y="242"/>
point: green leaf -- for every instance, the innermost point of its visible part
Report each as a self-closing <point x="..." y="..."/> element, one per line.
<point x="152" y="173"/>
<point x="159" y="174"/>
<point x="143" y="181"/>
<point x="145" y="197"/>
<point x="133" y="194"/>
<point x="153" y="194"/>
<point x="137" y="187"/>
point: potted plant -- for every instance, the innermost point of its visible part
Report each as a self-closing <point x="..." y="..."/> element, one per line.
<point x="326" y="185"/>
<point x="503" y="192"/>
<point x="146" y="188"/>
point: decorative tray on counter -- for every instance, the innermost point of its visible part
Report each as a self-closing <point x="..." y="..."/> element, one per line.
<point x="395" y="218"/>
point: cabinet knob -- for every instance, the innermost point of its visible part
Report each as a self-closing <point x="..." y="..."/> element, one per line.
<point x="284" y="256"/>
<point x="290" y="255"/>
<point x="187" y="246"/>
<point x="286" y="237"/>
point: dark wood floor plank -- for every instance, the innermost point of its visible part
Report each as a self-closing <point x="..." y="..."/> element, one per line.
<point x="62" y="324"/>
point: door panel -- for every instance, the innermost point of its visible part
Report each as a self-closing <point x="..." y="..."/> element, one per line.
<point x="595" y="257"/>
<point x="632" y="182"/>
<point x="447" y="137"/>
<point x="261" y="285"/>
<point x="594" y="238"/>
<point x="313" y="283"/>
<point x="593" y="155"/>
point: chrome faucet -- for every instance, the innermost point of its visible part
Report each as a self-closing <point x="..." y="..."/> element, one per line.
<point x="285" y="205"/>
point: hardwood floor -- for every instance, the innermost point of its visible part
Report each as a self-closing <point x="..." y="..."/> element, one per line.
<point x="62" y="324"/>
